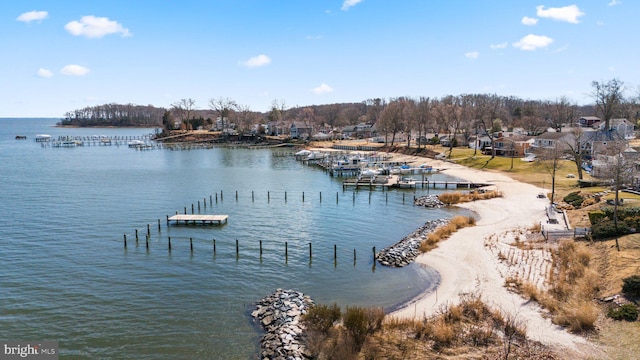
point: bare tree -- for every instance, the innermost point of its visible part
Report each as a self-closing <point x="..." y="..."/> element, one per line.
<point x="223" y="107"/>
<point x="349" y="115"/>
<point x="573" y="144"/>
<point x="391" y="120"/>
<point x="374" y="109"/>
<point x="608" y="97"/>
<point x="424" y="118"/>
<point x="562" y="111"/>
<point x="551" y="159"/>
<point x="409" y="113"/>
<point x="184" y="109"/>
<point x="245" y="116"/>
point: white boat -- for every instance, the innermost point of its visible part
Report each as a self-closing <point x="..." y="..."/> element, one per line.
<point x="370" y="172"/>
<point x="406" y="183"/>
<point x="43" y="137"/>
<point x="136" y="143"/>
<point x="405" y="169"/>
<point x="303" y="152"/>
<point x="316" y="155"/>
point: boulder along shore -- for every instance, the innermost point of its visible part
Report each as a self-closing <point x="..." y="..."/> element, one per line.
<point x="406" y="250"/>
<point x="279" y="314"/>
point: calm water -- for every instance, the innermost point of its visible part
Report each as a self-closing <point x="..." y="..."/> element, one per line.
<point x="65" y="275"/>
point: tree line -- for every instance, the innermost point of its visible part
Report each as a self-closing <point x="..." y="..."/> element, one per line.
<point x="114" y="115"/>
<point x="455" y="115"/>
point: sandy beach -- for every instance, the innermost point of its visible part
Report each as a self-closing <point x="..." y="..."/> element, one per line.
<point x="468" y="264"/>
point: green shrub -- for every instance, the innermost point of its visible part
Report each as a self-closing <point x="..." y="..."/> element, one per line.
<point x="627" y="312"/>
<point x="607" y="229"/>
<point x="596" y="217"/>
<point x="322" y="317"/>
<point x="633" y="222"/>
<point x="631" y="285"/>
<point x="574" y="199"/>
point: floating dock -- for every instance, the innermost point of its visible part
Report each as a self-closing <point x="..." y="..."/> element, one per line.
<point x="203" y="219"/>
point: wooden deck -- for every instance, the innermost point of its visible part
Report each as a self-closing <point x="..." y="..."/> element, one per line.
<point x="203" y="219"/>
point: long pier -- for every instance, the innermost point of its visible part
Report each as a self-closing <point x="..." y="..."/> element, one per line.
<point x="194" y="218"/>
<point x="388" y="181"/>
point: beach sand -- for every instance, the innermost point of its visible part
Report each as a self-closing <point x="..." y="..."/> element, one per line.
<point x="467" y="265"/>
<point x="468" y="261"/>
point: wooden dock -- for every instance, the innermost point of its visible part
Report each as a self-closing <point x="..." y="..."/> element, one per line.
<point x="203" y="219"/>
<point x="391" y="181"/>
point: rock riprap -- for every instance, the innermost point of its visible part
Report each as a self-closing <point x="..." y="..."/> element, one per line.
<point x="406" y="250"/>
<point x="430" y="201"/>
<point x="279" y="314"/>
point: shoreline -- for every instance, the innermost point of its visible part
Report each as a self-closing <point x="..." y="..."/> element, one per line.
<point x="466" y="265"/>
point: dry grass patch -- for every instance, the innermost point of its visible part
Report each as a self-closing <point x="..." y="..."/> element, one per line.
<point x="574" y="283"/>
<point x="455" y="197"/>
<point x="443" y="232"/>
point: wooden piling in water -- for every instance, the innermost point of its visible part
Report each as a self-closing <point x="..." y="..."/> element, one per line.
<point x="261" y="248"/>
<point x="125" y="241"/>
<point x="335" y="252"/>
<point x="214" y="246"/>
<point x="185" y="210"/>
<point x="303" y="196"/>
<point x="337" y="197"/>
<point x="148" y="229"/>
<point x="169" y="243"/>
<point x="286" y="251"/>
<point x="191" y="243"/>
<point x="252" y="197"/>
<point x="198" y="205"/>
<point x="136" y="235"/>
<point x="285" y="196"/>
<point x="159" y="225"/>
<point x="221" y="199"/>
<point x="237" y="249"/>
<point x="268" y="196"/>
<point x="310" y="257"/>
<point x="147" y="243"/>
<point x="192" y="212"/>
<point x="320" y="196"/>
<point x="236" y="195"/>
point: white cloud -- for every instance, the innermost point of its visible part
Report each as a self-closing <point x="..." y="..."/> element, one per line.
<point x="472" y="55"/>
<point x="44" y="73"/>
<point x="32" y="15"/>
<point x="322" y="89"/>
<point x="256" y="61"/>
<point x="533" y="42"/>
<point x="529" y="21"/>
<point x="569" y="13"/>
<point x="499" y="46"/>
<point x="95" y="27"/>
<point x="74" y="70"/>
<point x="349" y="3"/>
<point x="615" y="2"/>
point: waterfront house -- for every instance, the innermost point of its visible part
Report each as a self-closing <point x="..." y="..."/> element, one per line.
<point x="300" y="130"/>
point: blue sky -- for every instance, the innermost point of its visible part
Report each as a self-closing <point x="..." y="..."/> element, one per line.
<point x="61" y="55"/>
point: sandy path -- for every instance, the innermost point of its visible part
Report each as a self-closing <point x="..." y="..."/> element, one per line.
<point x="466" y="265"/>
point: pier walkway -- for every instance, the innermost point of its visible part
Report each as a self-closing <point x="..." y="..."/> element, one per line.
<point x="204" y="219"/>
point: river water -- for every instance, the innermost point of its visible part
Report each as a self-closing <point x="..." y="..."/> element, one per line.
<point x="65" y="274"/>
